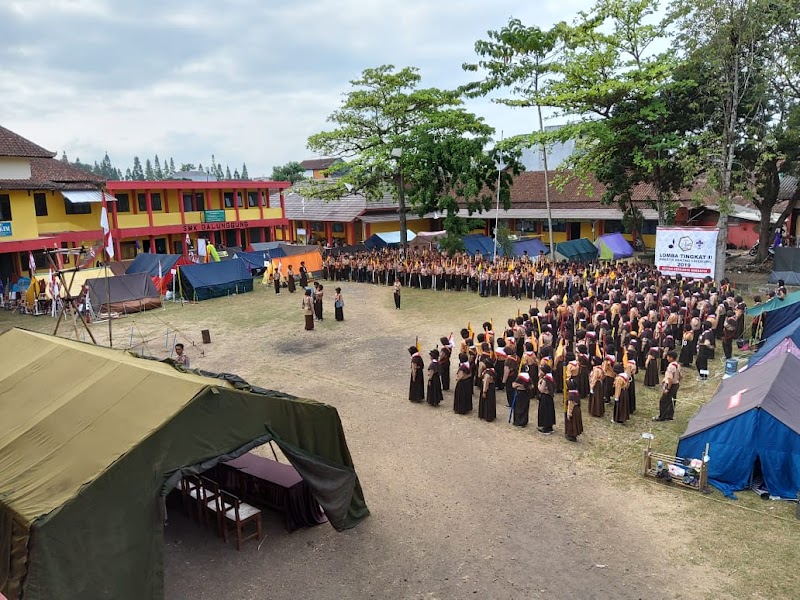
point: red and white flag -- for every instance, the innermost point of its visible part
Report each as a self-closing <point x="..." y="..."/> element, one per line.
<point x="108" y="241"/>
<point x="159" y="270"/>
<point x="188" y="242"/>
<point x="31" y="262"/>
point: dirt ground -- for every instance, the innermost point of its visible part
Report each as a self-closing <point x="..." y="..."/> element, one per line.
<point x="460" y="508"/>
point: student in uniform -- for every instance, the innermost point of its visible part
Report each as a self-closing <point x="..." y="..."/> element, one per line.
<point x="573" y="421"/>
<point x="669" y="389"/>
<point x="416" y="386"/>
<point x="546" y="417"/>
<point x="434" y="379"/>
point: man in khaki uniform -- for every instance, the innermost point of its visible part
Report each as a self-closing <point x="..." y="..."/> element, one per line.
<point x="669" y="389"/>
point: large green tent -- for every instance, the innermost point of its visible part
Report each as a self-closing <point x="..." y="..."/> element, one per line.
<point x="581" y="250"/>
<point x="92" y="440"/>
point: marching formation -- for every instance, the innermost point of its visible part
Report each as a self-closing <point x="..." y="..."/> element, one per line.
<point x="599" y="328"/>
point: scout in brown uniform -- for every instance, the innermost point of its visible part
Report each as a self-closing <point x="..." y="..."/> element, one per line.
<point x="546" y="416"/>
<point x="573" y="422"/>
<point x="669" y="389"/>
<point x="416" y="386"/>
<point x="621" y="407"/>
<point x="597" y="407"/>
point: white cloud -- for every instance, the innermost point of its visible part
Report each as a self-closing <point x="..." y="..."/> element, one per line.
<point x="246" y="80"/>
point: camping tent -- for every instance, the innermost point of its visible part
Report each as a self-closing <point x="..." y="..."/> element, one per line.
<point x="479" y="244"/>
<point x="77" y="279"/>
<point x="532" y="246"/>
<point x="389" y="239"/>
<point x="427" y="240"/>
<point x="613" y="246"/>
<point x="581" y="250"/>
<point x="773" y="304"/>
<point x="124" y="294"/>
<point x="151" y="263"/>
<point x="753" y="418"/>
<point x="779" y="318"/>
<point x="780" y="342"/>
<point x="215" y="279"/>
<point x="786" y="266"/>
<point x="85" y="470"/>
<point x="255" y="260"/>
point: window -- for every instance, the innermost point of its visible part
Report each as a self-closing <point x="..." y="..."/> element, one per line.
<point x="187" y="203"/>
<point x="239" y="199"/>
<point x="40" y="203"/>
<point x="228" y="199"/>
<point x="155" y="201"/>
<point x="123" y="203"/>
<point x="264" y="198"/>
<point x="77" y="208"/>
<point x="252" y="199"/>
<point x="613" y="227"/>
<point x="317" y="226"/>
<point x="527" y="226"/>
<point x="5" y="207"/>
<point x="199" y="201"/>
<point x="649" y="227"/>
<point x="559" y="225"/>
<point x="142" y="202"/>
<point x="338" y="228"/>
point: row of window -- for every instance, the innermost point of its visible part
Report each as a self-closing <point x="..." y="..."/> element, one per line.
<point x="560" y="226"/>
<point x="192" y="202"/>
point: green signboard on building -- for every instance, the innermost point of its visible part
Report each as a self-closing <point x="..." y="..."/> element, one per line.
<point x="213" y="216"/>
<point x="5" y="229"/>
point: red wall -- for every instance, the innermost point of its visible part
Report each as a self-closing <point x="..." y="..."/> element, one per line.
<point x="743" y="234"/>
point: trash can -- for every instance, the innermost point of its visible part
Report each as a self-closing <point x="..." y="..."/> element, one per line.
<point x="731" y="367"/>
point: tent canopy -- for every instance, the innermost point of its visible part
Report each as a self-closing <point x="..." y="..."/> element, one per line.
<point x="148" y="263"/>
<point x="754" y="415"/>
<point x="126" y="293"/>
<point x="389" y="238"/>
<point x="78" y="279"/>
<point x="255" y="260"/>
<point x="581" y="250"/>
<point x="780" y="342"/>
<point x="477" y="243"/>
<point x="85" y="465"/>
<point x="427" y="239"/>
<point x="532" y="246"/>
<point x="613" y="246"/>
<point x="773" y="304"/>
<point x="215" y="279"/>
<point x="779" y="318"/>
<point x="786" y="266"/>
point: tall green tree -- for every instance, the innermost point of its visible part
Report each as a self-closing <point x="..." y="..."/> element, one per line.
<point x="291" y="171"/>
<point x="245" y="174"/>
<point x="157" y="172"/>
<point x="391" y="136"/>
<point x="137" y="173"/>
<point x="171" y="170"/>
<point x="148" y="170"/>
<point x="228" y="173"/>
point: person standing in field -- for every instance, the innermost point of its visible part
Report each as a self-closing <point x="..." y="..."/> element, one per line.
<point x="397" y="294"/>
<point x="669" y="389"/>
<point x="416" y="386"/>
<point x="303" y="274"/>
<point x="434" y="379"/>
<point x="290" y="280"/>
<point x="308" y="310"/>
<point x="338" y="304"/>
<point x="318" y="294"/>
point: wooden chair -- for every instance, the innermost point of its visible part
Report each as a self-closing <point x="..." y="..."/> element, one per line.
<point x="209" y="506"/>
<point x="192" y="492"/>
<point x="232" y="510"/>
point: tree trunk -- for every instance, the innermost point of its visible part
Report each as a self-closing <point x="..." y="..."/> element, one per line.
<point x="546" y="187"/>
<point x="401" y="206"/>
<point x="765" y="235"/>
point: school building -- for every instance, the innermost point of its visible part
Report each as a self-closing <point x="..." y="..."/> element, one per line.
<point x="45" y="203"/>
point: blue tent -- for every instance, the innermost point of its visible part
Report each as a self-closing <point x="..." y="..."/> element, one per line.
<point x="613" y="246"/>
<point x="774" y="304"/>
<point x="148" y="263"/>
<point x="753" y="419"/>
<point x="776" y="320"/>
<point x="780" y="342"/>
<point x="273" y="249"/>
<point x="533" y="246"/>
<point x="477" y="243"/>
<point x="382" y="240"/>
<point x="215" y="279"/>
<point x="581" y="250"/>
<point x="255" y="260"/>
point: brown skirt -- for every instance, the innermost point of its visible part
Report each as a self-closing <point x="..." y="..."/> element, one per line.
<point x="597" y="407"/>
<point x="574" y="427"/>
<point x="309" y="322"/>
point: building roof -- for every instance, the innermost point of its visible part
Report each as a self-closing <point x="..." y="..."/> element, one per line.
<point x="315" y="164"/>
<point x="13" y="144"/>
<point x="344" y="210"/>
<point x="52" y="174"/>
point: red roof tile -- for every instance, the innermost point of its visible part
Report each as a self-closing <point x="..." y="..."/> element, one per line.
<point x="315" y="164"/>
<point x="13" y="144"/>
<point x="52" y="174"/>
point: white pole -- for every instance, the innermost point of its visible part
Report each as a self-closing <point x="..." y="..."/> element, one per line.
<point x="497" y="213"/>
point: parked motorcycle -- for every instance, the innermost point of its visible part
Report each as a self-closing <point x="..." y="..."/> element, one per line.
<point x="754" y="250"/>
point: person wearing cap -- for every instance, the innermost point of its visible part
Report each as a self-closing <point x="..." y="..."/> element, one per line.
<point x="462" y="397"/>
<point x="434" y="379"/>
<point x="631" y="369"/>
<point x="669" y="389"/>
<point x="510" y="372"/>
<point x="546" y="415"/>
<point x="705" y="350"/>
<point x="416" y="386"/>
<point x="487" y="404"/>
<point x="500" y="363"/>
<point x="521" y="404"/>
<point x="444" y="362"/>
<point x="729" y="333"/>
<point x="573" y="421"/>
<point x="621" y="408"/>
<point x="597" y="407"/>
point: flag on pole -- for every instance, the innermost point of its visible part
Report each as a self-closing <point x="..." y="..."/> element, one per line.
<point x="188" y="241"/>
<point x="108" y="240"/>
<point x="31" y="262"/>
<point x="417" y="344"/>
<point x="159" y="270"/>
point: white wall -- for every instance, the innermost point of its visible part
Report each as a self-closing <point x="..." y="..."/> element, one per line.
<point x="14" y="168"/>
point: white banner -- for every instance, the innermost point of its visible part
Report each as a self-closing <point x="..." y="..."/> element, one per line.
<point x="686" y="251"/>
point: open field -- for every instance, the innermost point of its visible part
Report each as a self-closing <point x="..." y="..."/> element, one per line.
<point x="460" y="508"/>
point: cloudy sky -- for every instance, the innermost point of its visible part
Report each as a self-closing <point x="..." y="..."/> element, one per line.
<point x="247" y="80"/>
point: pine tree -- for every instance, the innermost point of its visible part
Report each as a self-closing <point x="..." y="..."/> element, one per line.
<point x="213" y="165"/>
<point x="128" y="174"/>
<point x="228" y="172"/>
<point x="148" y="170"/>
<point x="117" y="174"/>
<point x="97" y="170"/>
<point x="244" y="172"/>
<point x="64" y="158"/>
<point x="236" y="174"/>
<point x="200" y="167"/>
<point x="159" y="174"/>
<point x="220" y="174"/>
<point x="106" y="168"/>
<point x="137" y="173"/>
<point x="171" y="167"/>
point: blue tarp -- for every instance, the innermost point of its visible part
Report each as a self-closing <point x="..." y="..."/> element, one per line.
<point x="773" y="304"/>
<point x="215" y="279"/>
<point x="791" y="331"/>
<point x="532" y="246"/>
<point x="776" y="320"/>
<point x="754" y="415"/>
<point x="476" y="243"/>
<point x="254" y="260"/>
<point x="148" y="263"/>
<point x="390" y="239"/>
<point x="613" y="246"/>
<point x="581" y="250"/>
<point x="274" y="249"/>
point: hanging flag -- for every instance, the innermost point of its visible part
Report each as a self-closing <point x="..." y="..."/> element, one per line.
<point x="469" y="329"/>
<point x="31" y="262"/>
<point x="417" y="344"/>
<point x="108" y="241"/>
<point x="188" y="242"/>
<point x="159" y="270"/>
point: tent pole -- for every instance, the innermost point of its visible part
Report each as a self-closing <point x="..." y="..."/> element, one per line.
<point x="108" y="306"/>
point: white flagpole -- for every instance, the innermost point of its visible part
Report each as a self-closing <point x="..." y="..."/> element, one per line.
<point x="497" y="214"/>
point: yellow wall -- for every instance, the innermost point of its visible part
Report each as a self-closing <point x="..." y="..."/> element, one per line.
<point x="414" y="225"/>
<point x="586" y="230"/>
<point x="129" y="220"/>
<point x="57" y="219"/>
<point x="272" y="213"/>
<point x="23" y="216"/>
<point x="162" y="219"/>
